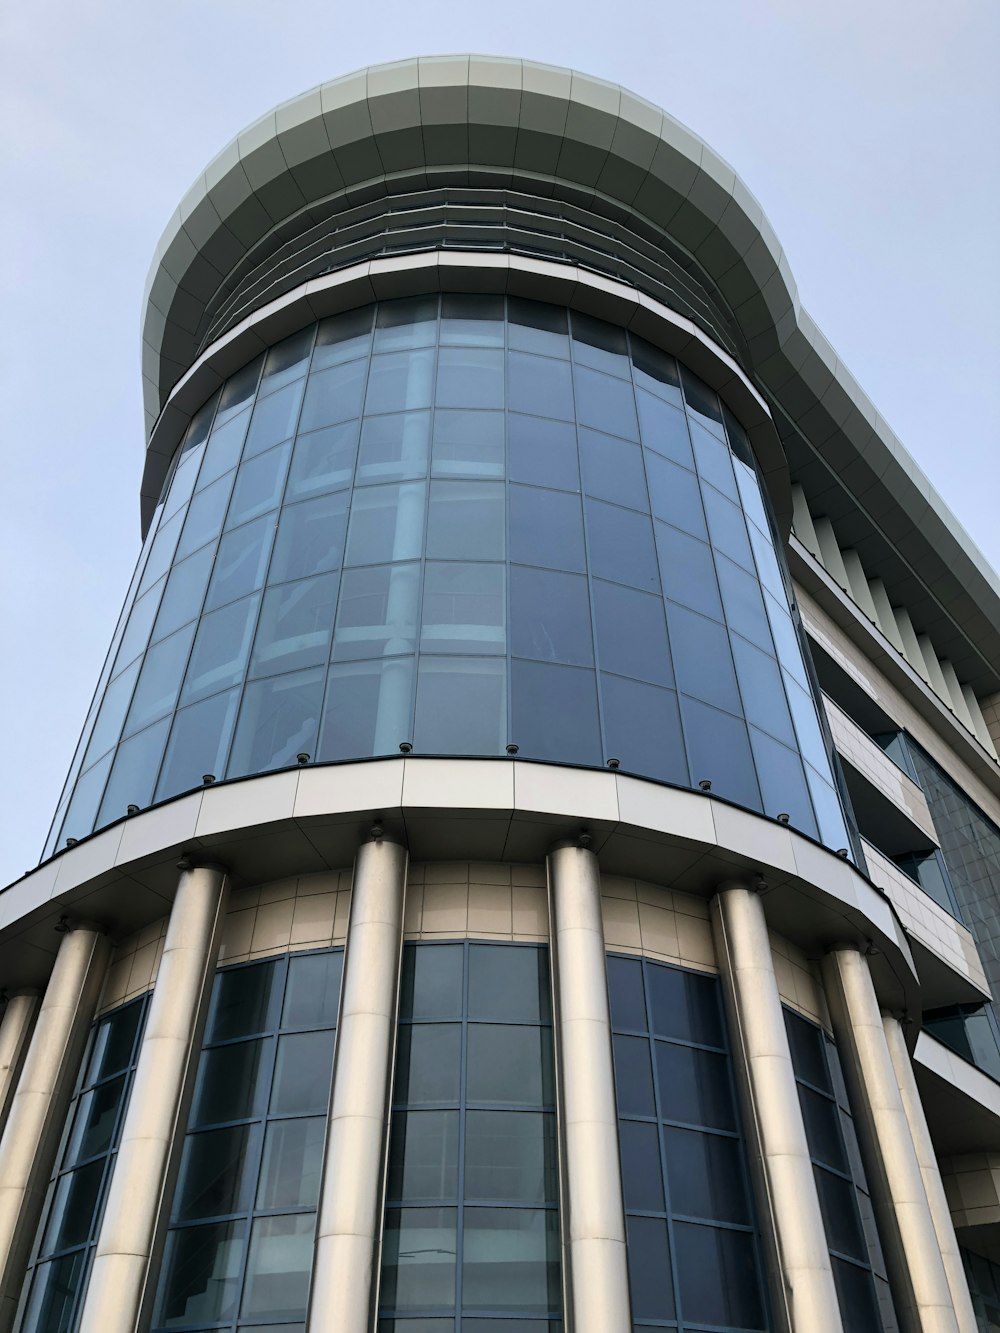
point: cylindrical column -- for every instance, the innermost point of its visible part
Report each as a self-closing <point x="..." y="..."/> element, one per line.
<point x="350" y="1209"/>
<point x="15" y="1031"/>
<point x="802" y="1287"/>
<point x="593" y="1211"/>
<point x="38" y="1107"/>
<point x="931" y="1174"/>
<point x="167" y="1058"/>
<point x="916" y="1270"/>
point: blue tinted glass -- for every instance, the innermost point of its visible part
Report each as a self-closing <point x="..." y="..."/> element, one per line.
<point x="466" y="521"/>
<point x="205" y="515"/>
<point x="411" y="322"/>
<point x="550" y="616"/>
<point x="761" y="687"/>
<point x="470" y="377"/>
<point x="387" y="523"/>
<point x="631" y="633"/>
<point x="655" y="370"/>
<point x="287" y="361"/>
<point x="534" y="327"/>
<point x="368" y="708"/>
<point x="625" y="990"/>
<point x="377" y="612"/>
<point x="333" y="395"/>
<point x="600" y="345"/>
<point x="649" y="1268"/>
<point x="114" y="705"/>
<point x="664" y="429"/>
<point x="472" y="320"/>
<point x="394" y="447"/>
<point x="546" y="528"/>
<point x="782" y="781"/>
<point x="464" y="609"/>
<point x="221" y="646"/>
<point x="86" y="798"/>
<point x="685" y="1005"/>
<point x="296" y="622"/>
<point x="605" y="403"/>
<point x="675" y="496"/>
<point x="184" y="592"/>
<point x="461" y="706"/>
<point x="727" y="528"/>
<point x="714" y="461"/>
<point x="401" y="381"/>
<point x="199" y="742"/>
<point x="767" y="563"/>
<point x="238" y="391"/>
<point x="718" y="1277"/>
<point x="554" y="712"/>
<point x="540" y="385"/>
<point x="161" y="553"/>
<point x="703" y="661"/>
<point x="612" y="470"/>
<point x="694" y="1086"/>
<point x="643" y="729"/>
<point x="543" y="452"/>
<point x="310" y="538"/>
<point x="323" y="461"/>
<point x="279" y="719"/>
<point x="258" y="488"/>
<point x="160" y="679"/>
<point x="468" y="444"/>
<point x="139" y="624"/>
<point x="182" y="483"/>
<point x="342" y="338"/>
<point x="743" y="603"/>
<point x="642" y="1178"/>
<point x="706" y="1176"/>
<point x="634" y="1076"/>
<point x="241" y="562"/>
<point x="133" y="774"/>
<point x="223" y="450"/>
<point x="621" y="546"/>
<point x="702" y="402"/>
<point x="274" y="419"/>
<point x="687" y="571"/>
<point x="719" y="749"/>
<point x="786" y="641"/>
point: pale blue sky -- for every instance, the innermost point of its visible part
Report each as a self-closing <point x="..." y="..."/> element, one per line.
<point x="869" y="132"/>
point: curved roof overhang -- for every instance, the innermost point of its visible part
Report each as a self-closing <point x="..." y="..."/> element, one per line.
<point x="471" y="123"/>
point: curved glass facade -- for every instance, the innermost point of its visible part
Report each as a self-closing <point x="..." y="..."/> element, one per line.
<point x="460" y="524"/>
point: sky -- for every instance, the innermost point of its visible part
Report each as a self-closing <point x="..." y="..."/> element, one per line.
<point x="870" y="133"/>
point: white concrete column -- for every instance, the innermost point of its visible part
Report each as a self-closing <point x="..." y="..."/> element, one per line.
<point x="930" y="1171"/>
<point x="15" y="1032"/>
<point x="916" y="1269"/>
<point x="595" y="1277"/>
<point x="153" y="1121"/>
<point x="349" y="1225"/>
<point x="803" y="1293"/>
<point x="40" y="1103"/>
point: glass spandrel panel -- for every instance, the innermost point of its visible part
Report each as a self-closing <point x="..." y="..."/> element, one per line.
<point x="546" y="528"/>
<point x="258" y="488"/>
<point x="554" y="712"/>
<point x="464" y="609"/>
<point x="649" y="1269"/>
<point x="114" y="705"/>
<point x="287" y="361"/>
<point x="470" y="377"/>
<point x="782" y="782"/>
<point x="423" y="1156"/>
<point x="540" y="386"/>
<point x="184" y="592"/>
<point x="714" y="461"/>
<point x="310" y="538"/>
<point x="642" y="1176"/>
<point x="302" y="1073"/>
<point x="664" y="429"/>
<point x="241" y="562"/>
<point x="410" y="322"/>
<point x="509" y="1066"/>
<point x="401" y="382"/>
<point x="394" y="447"/>
<point x="198" y="745"/>
<point x="472" y="320"/>
<point x="238" y="390"/>
<point x="223" y="450"/>
<point x="719" y="750"/>
<point x="279" y="1266"/>
<point x="432" y="982"/>
<point x="274" y="419"/>
<point x="278" y="720"/>
<point x="605" y="403"/>
<point x="508" y="983"/>
<point x="428" y="1064"/>
<point x="687" y="571"/>
<point x="296" y="622"/>
<point x="468" y="444"/>
<point x="202" y="1268"/>
<point x="694" y="1086"/>
<point x="292" y="1166"/>
<point x="703" y="660"/>
<point x="550" y="616"/>
<point x="312" y="992"/>
<point x="542" y="452"/>
<point x="461" y="706"/>
<point x="631" y="633"/>
<point x="621" y="545"/>
<point x="718" y="1277"/>
<point x="213" y="1174"/>
<point x="228" y="1083"/>
<point x="706" y="1175"/>
<point x="368" y="708"/>
<point x="600" y="345"/>
<point x="205" y="515"/>
<point x="377" y="612"/>
<point x="466" y="521"/>
<point x="221" y="646"/>
<point x="342" y="338"/>
<point x="323" y="461"/>
<point x="655" y="370"/>
<point x="387" y="523"/>
<point x="510" y="1259"/>
<point x="536" y="327"/>
<point x="133" y="774"/>
<point x="675" y="496"/>
<point x="613" y="470"/>
<point x="418" y="1259"/>
<point x="333" y="395"/>
<point x="511" y="1155"/>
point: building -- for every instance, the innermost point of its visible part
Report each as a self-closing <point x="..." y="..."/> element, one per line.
<point x="546" y="673"/>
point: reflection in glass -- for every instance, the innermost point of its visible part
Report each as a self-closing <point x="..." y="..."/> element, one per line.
<point x="279" y="1266"/>
<point x="278" y="720"/>
<point x="201" y="1272"/>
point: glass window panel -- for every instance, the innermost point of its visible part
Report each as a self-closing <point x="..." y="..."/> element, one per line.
<point x="782" y="782"/>
<point x="649" y="1268"/>
<point x="694" y="1086"/>
<point x="159" y="679"/>
<point x="810" y="738"/>
<point x="461" y="705"/>
<point x="468" y="444"/>
<point x="199" y="743"/>
<point x="606" y="404"/>
<point x="856" y="1298"/>
<point x="613" y="470"/>
<point x="223" y="450"/>
<point x="279" y="1267"/>
<point x="160" y="553"/>
<point x="432" y="982"/>
<point x="312" y="992"/>
<point x="464" y="608"/>
<point x="621" y="546"/>
<point x="664" y="430"/>
<point x="242" y="1002"/>
<point x="655" y="370"/>
<point x="743" y="603"/>
<point x="687" y="571"/>
<point x="241" y="562"/>
<point x="205" y="515"/>
<point x="279" y="719"/>
<point x="220" y="651"/>
<point x="466" y="521"/>
<point x="212" y="1178"/>
<point x="509" y="1066"/>
<point x="310" y="538"/>
<point x="377" y="613"/>
<point x="140" y="622"/>
<point x="418" y="1259"/>
<point x="829" y="812"/>
<point x="727" y="528"/>
<point x="393" y="447"/>
<point x="642" y="1177"/>
<point x="296" y="622"/>
<point x="94" y="1122"/>
<point x="428" y="1063"/>
<point x="633" y="1076"/>
<point x="628" y="1003"/>
<point x="201" y="423"/>
<point x="410" y="322"/>
<point x="287" y="360"/>
<point x="705" y="1172"/>
<point x="550" y="616"/>
<point x="86" y="798"/>
<point x="423" y="1156"/>
<point x="114" y="1042"/>
<point x="292" y="1166"/>
<point x="684" y="1005"/>
<point x="114" y="705"/>
<point x="537" y="327"/>
<point x="302" y="1073"/>
<point x="368" y="708"/>
<point x="767" y="564"/>
<point x="259" y="484"/>
<point x="631" y="633"/>
<point x="718" y="1276"/>
<point x="239" y="389"/>
<point x="806" y="1042"/>
<point x="323" y="461"/>
<point x="472" y="320"/>
<point x="752" y="497"/>
<point x="470" y="377"/>
<point x="53" y="1294"/>
<point x="822" y="1121"/>
<point x="342" y="338"/>
<point x="184" y="593"/>
<point x="546" y="528"/>
<point x="601" y="345"/>
<point x="838" y="1204"/>
<point x="511" y="1155"/>
<point x="703" y="662"/>
<point x="509" y="983"/>
<point x="675" y="496"/>
<point x="133" y="775"/>
<point x="719" y="750"/>
<point x="401" y="382"/>
<point x="181" y="484"/>
<point x="762" y="691"/>
<point x="274" y="419"/>
<point x="786" y="640"/>
<point x="228" y="1083"/>
<point x="714" y="461"/>
<point x="333" y="395"/>
<point x="74" y="1208"/>
<point x="702" y="402"/>
<point x="554" y="712"/>
<point x="642" y="729"/>
<point x="387" y="523"/>
<point x="543" y="452"/>
<point x="487" y="1326"/>
<point x="202" y="1268"/>
<point x="540" y="385"/>
<point x="510" y="1259"/>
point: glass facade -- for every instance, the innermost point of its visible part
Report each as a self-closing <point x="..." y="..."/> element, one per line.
<point x="471" y="1241"/>
<point x="64" y="1247"/>
<point x="693" y="1255"/>
<point x="239" y="1252"/>
<point x="460" y="523"/>
<point x="984" y="1284"/>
